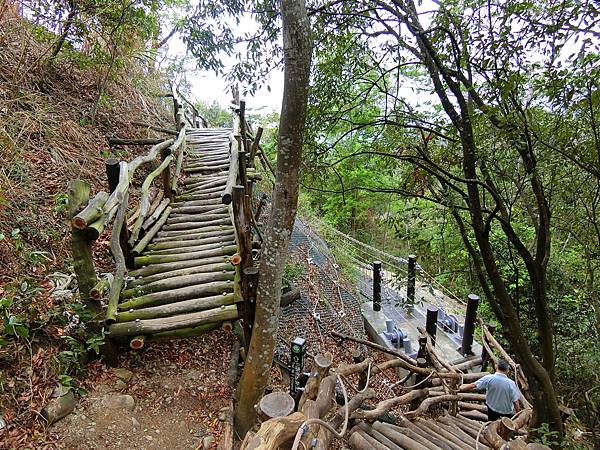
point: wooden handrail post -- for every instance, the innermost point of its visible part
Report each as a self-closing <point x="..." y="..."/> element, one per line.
<point x="249" y="287"/>
<point x="166" y="174"/>
<point x="254" y="147"/>
<point x="112" y="175"/>
<point x="242" y="225"/>
<point x="81" y="244"/>
<point x="243" y="177"/>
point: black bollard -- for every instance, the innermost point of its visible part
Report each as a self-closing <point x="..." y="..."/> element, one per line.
<point x="410" y="284"/>
<point x="470" y="317"/>
<point x="376" y="285"/>
<point x="431" y="323"/>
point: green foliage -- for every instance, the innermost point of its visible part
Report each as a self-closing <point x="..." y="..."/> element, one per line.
<point x="215" y="115"/>
<point x="290" y="273"/>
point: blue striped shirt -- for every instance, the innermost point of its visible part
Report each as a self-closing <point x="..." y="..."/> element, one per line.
<point x="501" y="392"/>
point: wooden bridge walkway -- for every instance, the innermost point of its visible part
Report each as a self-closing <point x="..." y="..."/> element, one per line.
<point x="183" y="255"/>
<point x="184" y="279"/>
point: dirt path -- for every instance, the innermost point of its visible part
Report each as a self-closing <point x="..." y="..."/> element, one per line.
<point x="170" y="396"/>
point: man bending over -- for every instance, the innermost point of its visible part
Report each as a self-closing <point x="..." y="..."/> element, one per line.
<point x="501" y="393"/>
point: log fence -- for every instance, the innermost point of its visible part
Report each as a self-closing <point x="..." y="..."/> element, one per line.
<point x="183" y="252"/>
<point x="431" y="414"/>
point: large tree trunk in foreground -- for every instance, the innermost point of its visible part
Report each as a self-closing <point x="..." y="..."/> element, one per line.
<point x="297" y="47"/>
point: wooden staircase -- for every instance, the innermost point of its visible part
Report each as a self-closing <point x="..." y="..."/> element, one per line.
<point x="183" y="253"/>
<point x="184" y="279"/>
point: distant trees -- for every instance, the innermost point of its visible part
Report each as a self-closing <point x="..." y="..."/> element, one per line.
<point x="478" y="134"/>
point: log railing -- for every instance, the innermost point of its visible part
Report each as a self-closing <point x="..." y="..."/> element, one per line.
<point x="238" y="192"/>
<point x="131" y="230"/>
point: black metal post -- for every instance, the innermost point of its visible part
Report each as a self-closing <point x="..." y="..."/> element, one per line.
<point x="376" y="285"/>
<point x="297" y="351"/>
<point x="431" y="323"/>
<point x="471" y="315"/>
<point x="410" y="285"/>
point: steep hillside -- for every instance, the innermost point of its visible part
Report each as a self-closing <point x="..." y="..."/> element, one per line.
<point x="48" y="137"/>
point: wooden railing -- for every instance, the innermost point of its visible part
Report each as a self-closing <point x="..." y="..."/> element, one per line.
<point x="238" y="191"/>
<point x="130" y="234"/>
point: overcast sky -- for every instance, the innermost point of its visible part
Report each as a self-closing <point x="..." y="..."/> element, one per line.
<point x="208" y="87"/>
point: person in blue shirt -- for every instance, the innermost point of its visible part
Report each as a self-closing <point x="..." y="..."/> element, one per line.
<point x="501" y="393"/>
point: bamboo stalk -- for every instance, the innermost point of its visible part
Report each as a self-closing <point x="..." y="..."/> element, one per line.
<point x="184" y="307"/>
<point x="191" y="320"/>
<point x="179" y="294"/>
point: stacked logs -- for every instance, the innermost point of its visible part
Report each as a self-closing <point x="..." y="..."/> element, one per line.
<point x="428" y="413"/>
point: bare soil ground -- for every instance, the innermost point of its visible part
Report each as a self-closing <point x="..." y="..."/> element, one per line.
<point x="180" y="390"/>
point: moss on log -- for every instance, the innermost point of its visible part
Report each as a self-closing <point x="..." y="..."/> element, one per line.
<point x="191" y="320"/>
<point x="196" y="225"/>
<point x="186" y="306"/>
<point x="193" y="241"/>
<point x="91" y="212"/>
<point x="179" y="294"/>
<point x="177" y="282"/>
<point x="168" y="267"/>
<point x="184" y="332"/>
<point x="191" y="248"/>
<point x="196" y="269"/>
<point x="158" y="259"/>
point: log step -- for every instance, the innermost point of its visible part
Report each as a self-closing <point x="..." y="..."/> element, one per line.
<point x="184" y="283"/>
<point x="162" y="324"/>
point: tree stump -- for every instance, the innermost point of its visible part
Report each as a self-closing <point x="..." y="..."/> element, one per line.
<point x="275" y="404"/>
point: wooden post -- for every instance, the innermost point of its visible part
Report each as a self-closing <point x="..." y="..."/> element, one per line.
<point x="79" y="194"/>
<point x="249" y="286"/>
<point x="485" y="357"/>
<point x="410" y="286"/>
<point x="358" y="357"/>
<point x="470" y="316"/>
<point x="242" y="168"/>
<point x="376" y="285"/>
<point x="259" y="208"/>
<point x="166" y="175"/>
<point x="242" y="226"/>
<point x="254" y="147"/>
<point x="112" y="175"/>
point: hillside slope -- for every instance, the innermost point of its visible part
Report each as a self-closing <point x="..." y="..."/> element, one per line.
<point x="48" y="137"/>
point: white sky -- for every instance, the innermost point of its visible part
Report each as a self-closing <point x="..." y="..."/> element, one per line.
<point x="208" y="87"/>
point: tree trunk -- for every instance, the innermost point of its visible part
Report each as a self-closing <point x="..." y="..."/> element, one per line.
<point x="297" y="45"/>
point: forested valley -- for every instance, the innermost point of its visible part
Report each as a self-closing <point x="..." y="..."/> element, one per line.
<point x="466" y="133"/>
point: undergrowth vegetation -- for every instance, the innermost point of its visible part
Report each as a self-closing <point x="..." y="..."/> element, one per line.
<point x="54" y="127"/>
